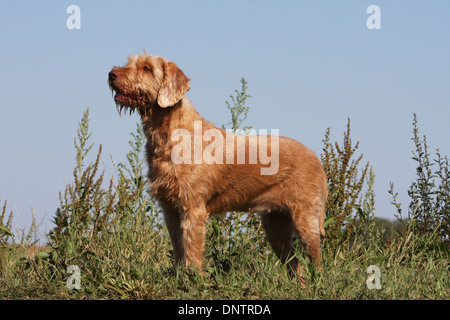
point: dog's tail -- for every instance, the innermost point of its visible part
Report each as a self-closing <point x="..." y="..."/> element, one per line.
<point x="322" y="221"/>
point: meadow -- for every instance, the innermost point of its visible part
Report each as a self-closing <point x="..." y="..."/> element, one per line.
<point x="112" y="231"/>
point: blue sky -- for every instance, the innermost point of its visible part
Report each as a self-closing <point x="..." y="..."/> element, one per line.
<point x="310" y="65"/>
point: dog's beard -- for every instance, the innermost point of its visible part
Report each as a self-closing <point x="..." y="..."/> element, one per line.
<point x="131" y="103"/>
<point x="123" y="109"/>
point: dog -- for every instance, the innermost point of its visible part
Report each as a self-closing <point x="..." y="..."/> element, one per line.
<point x="193" y="180"/>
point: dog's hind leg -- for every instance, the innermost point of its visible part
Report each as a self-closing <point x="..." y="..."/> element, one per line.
<point x="306" y="219"/>
<point x="279" y="228"/>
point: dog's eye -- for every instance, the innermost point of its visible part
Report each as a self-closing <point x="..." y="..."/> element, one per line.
<point x="147" y="69"/>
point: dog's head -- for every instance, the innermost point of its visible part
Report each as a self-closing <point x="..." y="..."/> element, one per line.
<point x="146" y="81"/>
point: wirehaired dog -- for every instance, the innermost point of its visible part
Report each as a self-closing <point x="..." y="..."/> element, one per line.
<point x="193" y="179"/>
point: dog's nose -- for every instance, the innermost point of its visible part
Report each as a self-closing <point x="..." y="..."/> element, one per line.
<point x="113" y="74"/>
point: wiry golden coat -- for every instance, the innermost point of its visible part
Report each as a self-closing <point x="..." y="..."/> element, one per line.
<point x="290" y="201"/>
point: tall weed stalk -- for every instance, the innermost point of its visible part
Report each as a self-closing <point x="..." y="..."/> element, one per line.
<point x="345" y="186"/>
<point x="429" y="207"/>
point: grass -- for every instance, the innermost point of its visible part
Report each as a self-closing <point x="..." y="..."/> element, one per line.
<point x="137" y="265"/>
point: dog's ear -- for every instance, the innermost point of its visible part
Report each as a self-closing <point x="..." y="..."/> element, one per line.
<point x="174" y="87"/>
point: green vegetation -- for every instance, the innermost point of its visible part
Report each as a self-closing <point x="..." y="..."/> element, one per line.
<point x="113" y="231"/>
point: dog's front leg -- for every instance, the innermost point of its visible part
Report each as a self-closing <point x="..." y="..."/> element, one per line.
<point x="193" y="222"/>
<point x="187" y="233"/>
<point x="172" y="218"/>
